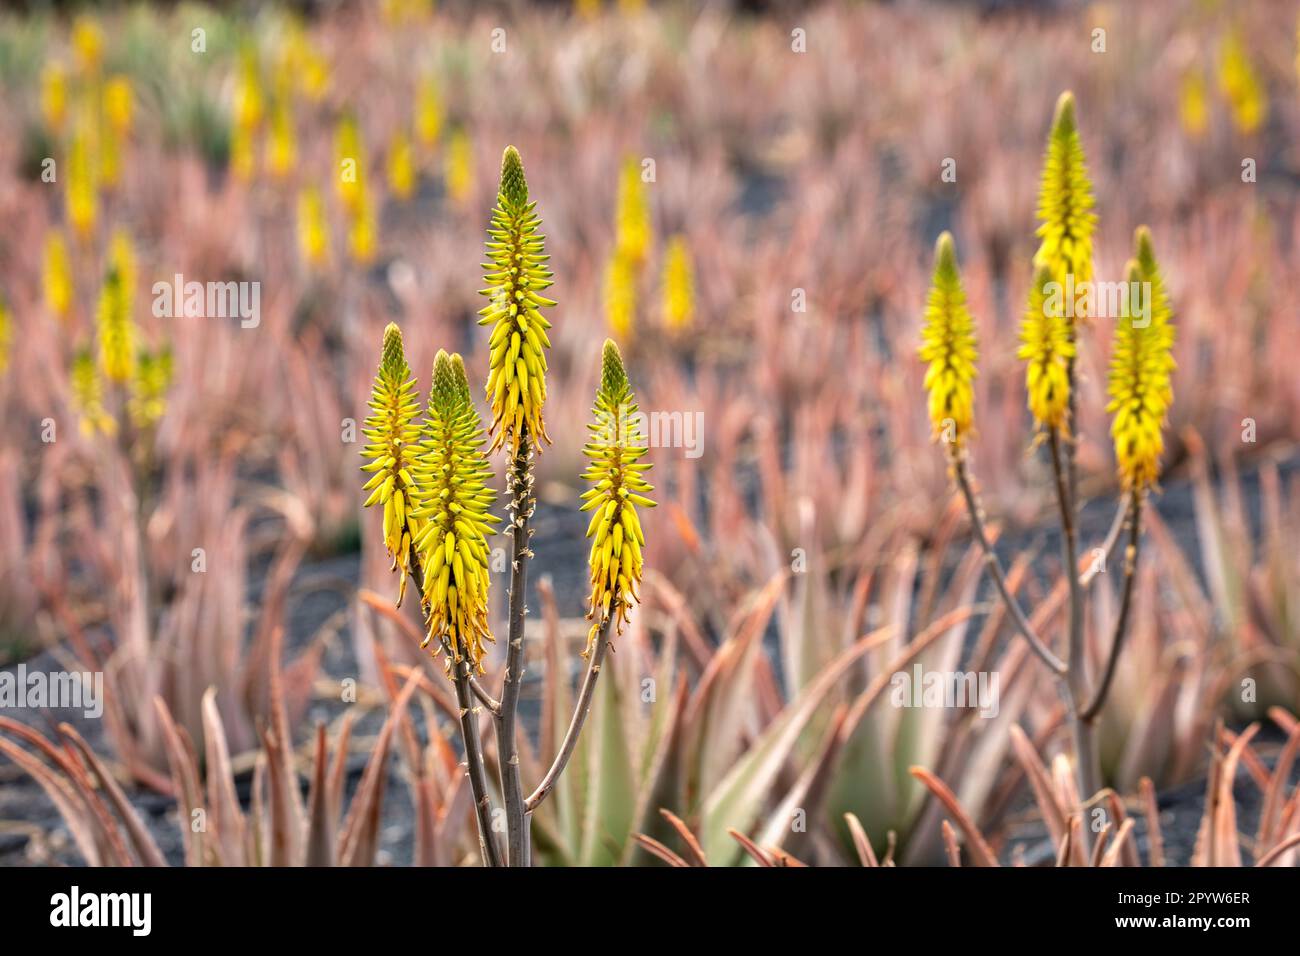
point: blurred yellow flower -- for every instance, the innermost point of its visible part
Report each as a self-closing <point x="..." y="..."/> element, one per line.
<point x="678" y="285"/>
<point x="119" y="105"/>
<point x="428" y="113"/>
<point x="459" y="173"/>
<point x="401" y="167"/>
<point x="350" y="163"/>
<point x="1242" y="86"/>
<point x="88" y="44"/>
<point x="54" y="96"/>
<point x="57" y="276"/>
<point x="1193" y="104"/>
<point x="282" y="150"/>
<point x="620" y="296"/>
<point x="313" y="232"/>
<point x="6" y="333"/>
<point x="633" y="231"/>
<point x="82" y="195"/>
<point x="153" y="376"/>
<point x="88" y="397"/>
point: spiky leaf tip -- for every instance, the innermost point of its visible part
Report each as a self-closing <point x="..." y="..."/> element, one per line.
<point x="516" y="275"/>
<point x="948" y="347"/>
<point x="391" y="432"/>
<point x="1139" y="385"/>
<point x="454" y="478"/>
<point x="618" y="489"/>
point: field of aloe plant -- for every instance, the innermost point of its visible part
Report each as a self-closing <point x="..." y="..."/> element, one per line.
<point x="626" y="434"/>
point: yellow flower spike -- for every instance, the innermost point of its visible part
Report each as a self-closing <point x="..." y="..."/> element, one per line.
<point x="153" y="376"/>
<point x="633" y="232"/>
<point x="249" y="101"/>
<point x="350" y="164"/>
<point x="516" y="276"/>
<point x="401" y="167"/>
<point x="87" y="397"/>
<point x="459" y="174"/>
<point x="57" y="276"/>
<point x="392" y="433"/>
<point x="1242" y="86"/>
<point x="1140" y="366"/>
<point x="361" y="230"/>
<point x="618" y="487"/>
<point x="948" y="347"/>
<point x="678" y="285"/>
<point x="54" y="96"/>
<point x="119" y="105"/>
<point x="6" y="333"/>
<point x="313" y="233"/>
<point x="1193" y="105"/>
<point x="620" y="296"/>
<point x="454" y="478"/>
<point x="83" y="191"/>
<point x="1046" y="346"/>
<point x="282" y="153"/>
<point x="88" y="44"/>
<point x="116" y="328"/>
<point x="428" y="113"/>
<point x="1065" y="206"/>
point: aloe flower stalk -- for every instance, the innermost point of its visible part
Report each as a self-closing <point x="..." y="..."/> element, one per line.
<point x="1067" y="224"/>
<point x="88" y="397"/>
<point x="1046" y="347"/>
<point x="434" y="530"/>
<point x="1139" y="383"/>
<point x="452" y="472"/>
<point x="516" y="275"/>
<point x="633" y="230"/>
<point x="616" y="474"/>
<point x="1140" y="396"/>
<point x="1065" y="202"/>
<point x="948" y="346"/>
<point x="392" y="433"/>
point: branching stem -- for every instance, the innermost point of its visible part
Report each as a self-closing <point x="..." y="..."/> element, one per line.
<point x="580" y="710"/>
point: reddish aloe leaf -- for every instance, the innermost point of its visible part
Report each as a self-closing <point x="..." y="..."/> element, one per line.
<point x="185" y="779"/>
<point x="1274" y="792"/>
<point x="750" y="847"/>
<point x="654" y="847"/>
<point x="1155" y="838"/>
<point x="223" y="805"/>
<point x="866" y="855"/>
<point x="146" y="849"/>
<point x="950" y="844"/>
<point x="981" y="853"/>
<point x="320" y="828"/>
<point x="693" y="849"/>
<point x="86" y="829"/>
<point x="1112" y="855"/>
<point x="361" y="831"/>
<point x="1049" y="807"/>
